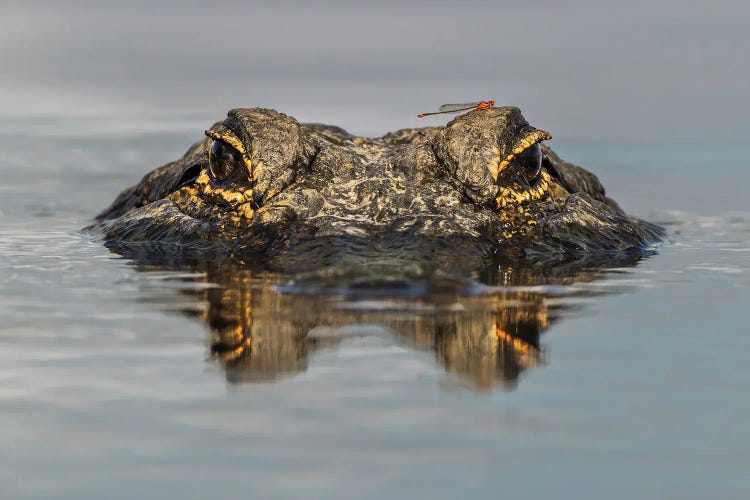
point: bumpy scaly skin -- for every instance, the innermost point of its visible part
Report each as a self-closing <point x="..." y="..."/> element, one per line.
<point x="456" y="191"/>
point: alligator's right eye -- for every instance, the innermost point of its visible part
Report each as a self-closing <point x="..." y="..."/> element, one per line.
<point x="530" y="162"/>
<point x="223" y="159"/>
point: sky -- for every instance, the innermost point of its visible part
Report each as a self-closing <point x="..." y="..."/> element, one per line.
<point x="659" y="71"/>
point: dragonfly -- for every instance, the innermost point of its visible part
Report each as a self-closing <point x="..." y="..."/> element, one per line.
<point x="456" y="108"/>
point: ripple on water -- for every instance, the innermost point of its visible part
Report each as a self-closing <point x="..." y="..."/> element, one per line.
<point x="263" y="378"/>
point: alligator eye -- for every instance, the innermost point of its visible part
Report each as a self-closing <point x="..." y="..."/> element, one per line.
<point x="530" y="162"/>
<point x="223" y="159"/>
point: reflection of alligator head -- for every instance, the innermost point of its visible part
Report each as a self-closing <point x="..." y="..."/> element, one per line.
<point x="263" y="187"/>
<point x="260" y="333"/>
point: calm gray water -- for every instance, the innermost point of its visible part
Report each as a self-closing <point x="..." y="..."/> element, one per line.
<point x="120" y="380"/>
<point x="108" y="387"/>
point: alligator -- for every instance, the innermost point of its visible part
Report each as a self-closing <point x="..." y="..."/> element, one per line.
<point x="263" y="188"/>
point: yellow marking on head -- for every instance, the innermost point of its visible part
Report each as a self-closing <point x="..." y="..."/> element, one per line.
<point x="271" y="193"/>
<point x="509" y="196"/>
<point x="203" y="178"/>
<point x="233" y="198"/>
<point x="227" y="136"/>
<point x="504" y="164"/>
<point x="501" y="165"/>
<point x="249" y="166"/>
<point x="494" y="167"/>
<point x="246" y="211"/>
<point x="256" y="171"/>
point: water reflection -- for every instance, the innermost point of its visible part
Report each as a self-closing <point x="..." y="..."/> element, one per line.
<point x="264" y="327"/>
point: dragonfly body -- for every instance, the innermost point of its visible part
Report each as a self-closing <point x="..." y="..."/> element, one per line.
<point x="457" y="108"/>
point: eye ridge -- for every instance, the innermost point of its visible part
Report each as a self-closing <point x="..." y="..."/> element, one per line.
<point x="223" y="160"/>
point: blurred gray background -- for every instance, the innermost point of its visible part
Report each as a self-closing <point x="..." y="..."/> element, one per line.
<point x="669" y="71"/>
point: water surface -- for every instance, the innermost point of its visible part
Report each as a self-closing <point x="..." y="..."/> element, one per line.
<point x="122" y="379"/>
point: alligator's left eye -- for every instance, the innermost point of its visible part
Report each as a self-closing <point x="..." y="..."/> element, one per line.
<point x="223" y="159"/>
<point x="530" y="162"/>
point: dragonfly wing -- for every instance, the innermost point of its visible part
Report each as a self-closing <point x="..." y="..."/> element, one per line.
<point x="451" y="108"/>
